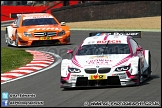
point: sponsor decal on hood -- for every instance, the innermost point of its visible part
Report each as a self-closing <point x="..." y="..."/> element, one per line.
<point x="102" y="61"/>
<point x="43" y="28"/>
<point x="99" y="56"/>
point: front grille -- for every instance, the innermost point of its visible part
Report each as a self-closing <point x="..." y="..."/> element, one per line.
<point x="90" y="70"/>
<point x="44" y="42"/>
<point x="45" y="33"/>
<point x="110" y="81"/>
<point x="104" y="70"/>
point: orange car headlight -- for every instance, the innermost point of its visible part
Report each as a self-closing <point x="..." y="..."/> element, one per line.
<point x="27" y="34"/>
<point x="61" y="33"/>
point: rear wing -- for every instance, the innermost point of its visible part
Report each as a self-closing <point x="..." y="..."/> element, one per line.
<point x="134" y="34"/>
<point x="15" y="15"/>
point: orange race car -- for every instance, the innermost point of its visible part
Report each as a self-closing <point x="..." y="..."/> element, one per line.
<point x="36" y="29"/>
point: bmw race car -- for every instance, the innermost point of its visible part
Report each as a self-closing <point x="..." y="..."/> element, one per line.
<point x="32" y="29"/>
<point x="107" y="59"/>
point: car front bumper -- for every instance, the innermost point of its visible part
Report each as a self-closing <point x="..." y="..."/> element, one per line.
<point x="36" y="41"/>
<point x="84" y="82"/>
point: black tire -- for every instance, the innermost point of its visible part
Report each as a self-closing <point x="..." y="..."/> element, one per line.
<point x="139" y="74"/>
<point x="16" y="41"/>
<point x="149" y="67"/>
<point x="6" y="38"/>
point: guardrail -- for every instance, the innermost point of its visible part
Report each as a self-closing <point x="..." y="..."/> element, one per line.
<point x="6" y="23"/>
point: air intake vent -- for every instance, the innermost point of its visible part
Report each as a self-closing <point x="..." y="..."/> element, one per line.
<point x="104" y="70"/>
<point x="91" y="70"/>
<point x="45" y="33"/>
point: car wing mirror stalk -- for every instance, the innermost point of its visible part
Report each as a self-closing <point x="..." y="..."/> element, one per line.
<point x="70" y="52"/>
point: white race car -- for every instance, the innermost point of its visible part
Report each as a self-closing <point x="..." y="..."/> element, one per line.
<point x="107" y="59"/>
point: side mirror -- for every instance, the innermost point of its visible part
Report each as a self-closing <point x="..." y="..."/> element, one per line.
<point x="69" y="52"/>
<point x="63" y="24"/>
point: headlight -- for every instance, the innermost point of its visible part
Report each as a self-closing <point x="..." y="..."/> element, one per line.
<point x="74" y="70"/>
<point x="27" y="34"/>
<point x="124" y="68"/>
<point x="61" y="33"/>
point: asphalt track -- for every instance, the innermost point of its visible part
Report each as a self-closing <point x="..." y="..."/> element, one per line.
<point x="46" y="85"/>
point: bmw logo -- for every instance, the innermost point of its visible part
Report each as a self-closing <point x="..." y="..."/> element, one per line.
<point x="97" y="66"/>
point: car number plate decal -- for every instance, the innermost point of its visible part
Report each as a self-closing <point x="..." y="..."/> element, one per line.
<point x="45" y="38"/>
<point x="97" y="77"/>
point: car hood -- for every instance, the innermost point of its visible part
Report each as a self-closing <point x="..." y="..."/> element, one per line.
<point x="92" y="61"/>
<point x="42" y="28"/>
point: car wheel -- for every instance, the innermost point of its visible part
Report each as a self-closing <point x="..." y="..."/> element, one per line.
<point x="139" y="75"/>
<point x="16" y="41"/>
<point x="149" y="67"/>
<point x="6" y="39"/>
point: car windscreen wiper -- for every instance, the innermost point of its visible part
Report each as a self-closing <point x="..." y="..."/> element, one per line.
<point x="104" y="49"/>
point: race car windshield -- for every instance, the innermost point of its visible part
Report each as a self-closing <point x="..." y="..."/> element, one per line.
<point x="38" y="21"/>
<point x="98" y="49"/>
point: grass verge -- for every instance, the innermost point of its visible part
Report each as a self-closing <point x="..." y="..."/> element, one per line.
<point x="14" y="58"/>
